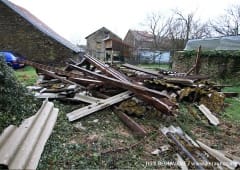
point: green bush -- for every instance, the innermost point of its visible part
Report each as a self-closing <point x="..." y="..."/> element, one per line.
<point x="216" y="53"/>
<point x="16" y="103"/>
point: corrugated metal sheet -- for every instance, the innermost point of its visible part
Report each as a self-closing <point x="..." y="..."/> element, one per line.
<point x="21" y="147"/>
<point x="41" y="26"/>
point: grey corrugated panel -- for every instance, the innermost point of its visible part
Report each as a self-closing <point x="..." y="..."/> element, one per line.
<point x="21" y="147"/>
<point x="41" y="26"/>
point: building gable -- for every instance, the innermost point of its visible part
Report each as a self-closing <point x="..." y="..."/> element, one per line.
<point x="20" y="35"/>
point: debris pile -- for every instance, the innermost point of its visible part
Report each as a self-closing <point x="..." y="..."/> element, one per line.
<point x="135" y="91"/>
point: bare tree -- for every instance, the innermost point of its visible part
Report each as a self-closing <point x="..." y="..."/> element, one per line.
<point x="186" y="22"/>
<point x="229" y="23"/>
<point x="159" y="28"/>
<point x="189" y="27"/>
<point x="174" y="31"/>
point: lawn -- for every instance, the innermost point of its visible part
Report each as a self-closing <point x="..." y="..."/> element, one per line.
<point x="26" y="75"/>
<point x="232" y="110"/>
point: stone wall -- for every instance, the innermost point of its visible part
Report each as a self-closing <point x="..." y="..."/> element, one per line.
<point x="216" y="66"/>
<point x="17" y="34"/>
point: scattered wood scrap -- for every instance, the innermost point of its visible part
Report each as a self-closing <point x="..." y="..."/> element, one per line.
<point x="212" y="119"/>
<point x="79" y="113"/>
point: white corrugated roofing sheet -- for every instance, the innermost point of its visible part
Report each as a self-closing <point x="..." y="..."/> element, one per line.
<point x="222" y="43"/>
<point x="21" y="147"/>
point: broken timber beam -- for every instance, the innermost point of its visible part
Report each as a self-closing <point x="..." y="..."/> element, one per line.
<point x="86" y="81"/>
<point x="125" y="85"/>
<point x="53" y="69"/>
<point x="136" y="128"/>
<point x="196" y="65"/>
<point x="51" y="74"/>
<point x="79" y="113"/>
<point x="148" y="95"/>
<point x="170" y="133"/>
<point x="106" y="69"/>
<point x="154" y="73"/>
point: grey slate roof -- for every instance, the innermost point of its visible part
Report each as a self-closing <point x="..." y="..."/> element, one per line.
<point x="40" y="25"/>
<point x="105" y="30"/>
<point x="142" y="35"/>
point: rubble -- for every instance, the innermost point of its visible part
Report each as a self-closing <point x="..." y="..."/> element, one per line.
<point x="132" y="91"/>
<point x="195" y="151"/>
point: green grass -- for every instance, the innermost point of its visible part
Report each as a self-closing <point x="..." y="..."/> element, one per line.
<point x="26" y="75"/>
<point x="232" y="89"/>
<point x="233" y="110"/>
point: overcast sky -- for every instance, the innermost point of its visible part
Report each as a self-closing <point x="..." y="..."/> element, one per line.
<point x="75" y="19"/>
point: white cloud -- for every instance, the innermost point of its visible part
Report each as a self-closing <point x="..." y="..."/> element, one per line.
<point x="75" y="19"/>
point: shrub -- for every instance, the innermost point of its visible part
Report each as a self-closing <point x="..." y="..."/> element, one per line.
<point x="16" y="103"/>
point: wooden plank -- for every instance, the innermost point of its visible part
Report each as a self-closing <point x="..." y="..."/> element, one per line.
<point x="86" y="99"/>
<point x="134" y="126"/>
<point x="79" y="113"/>
<point x="212" y="119"/>
<point x="219" y="156"/>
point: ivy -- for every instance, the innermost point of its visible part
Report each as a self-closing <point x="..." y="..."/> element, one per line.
<point x="219" y="53"/>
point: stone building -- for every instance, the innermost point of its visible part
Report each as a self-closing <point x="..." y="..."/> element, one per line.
<point x="23" y="33"/>
<point x="95" y="42"/>
<point x="139" y="40"/>
<point x="144" y="48"/>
